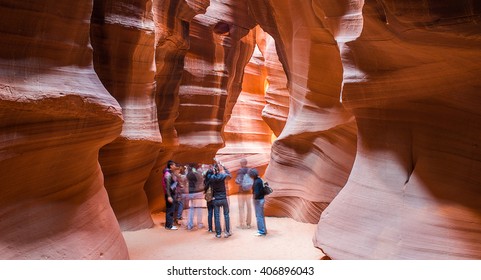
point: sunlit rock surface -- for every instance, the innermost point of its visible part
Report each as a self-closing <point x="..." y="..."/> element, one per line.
<point x="276" y="111"/>
<point x="55" y="115"/>
<point x="411" y="80"/>
<point x="313" y="155"/>
<point x="221" y="44"/>
<point x="371" y="107"/>
<point x="246" y="134"/>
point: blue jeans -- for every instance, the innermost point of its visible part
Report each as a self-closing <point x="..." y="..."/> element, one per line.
<point x="210" y="212"/>
<point x="169" y="213"/>
<point x="261" y="221"/>
<point x="179" y="207"/>
<point x="218" y="203"/>
<point x="195" y="207"/>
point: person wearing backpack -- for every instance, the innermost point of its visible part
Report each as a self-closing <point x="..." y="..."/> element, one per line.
<point x="245" y="182"/>
<point x="210" y="203"/>
<point x="258" y="195"/>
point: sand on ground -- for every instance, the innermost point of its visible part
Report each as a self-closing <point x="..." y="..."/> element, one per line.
<point x="287" y="239"/>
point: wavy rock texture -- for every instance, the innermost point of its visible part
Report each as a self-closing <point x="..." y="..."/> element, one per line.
<point x="276" y="111"/>
<point x="54" y="117"/>
<point x="214" y="66"/>
<point x="172" y="26"/>
<point x="412" y="81"/>
<point x="172" y="20"/>
<point x="312" y="157"/>
<point x="246" y="134"/>
<point x="123" y="38"/>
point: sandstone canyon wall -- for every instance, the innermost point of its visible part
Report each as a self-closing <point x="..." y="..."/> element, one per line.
<point x="411" y="80"/>
<point x="276" y="93"/>
<point x="246" y="134"/>
<point x="221" y="44"/>
<point x="373" y="104"/>
<point x="172" y="28"/>
<point x="55" y="115"/>
<point x="312" y="157"/>
<point x="123" y="37"/>
<point x="197" y="96"/>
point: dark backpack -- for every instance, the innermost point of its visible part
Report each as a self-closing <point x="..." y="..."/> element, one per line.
<point x="267" y="189"/>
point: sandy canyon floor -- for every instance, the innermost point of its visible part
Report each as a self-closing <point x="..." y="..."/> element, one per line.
<point x="286" y="240"/>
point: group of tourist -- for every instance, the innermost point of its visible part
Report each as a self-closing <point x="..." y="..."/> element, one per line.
<point x="189" y="183"/>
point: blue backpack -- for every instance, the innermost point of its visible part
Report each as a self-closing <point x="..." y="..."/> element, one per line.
<point x="247" y="183"/>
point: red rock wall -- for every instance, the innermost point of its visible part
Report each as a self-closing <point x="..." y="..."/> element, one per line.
<point x="376" y="119"/>
<point x="172" y="24"/>
<point x="246" y="134"/>
<point x="212" y="78"/>
<point x="313" y="155"/>
<point x="55" y="115"/>
<point x="123" y="38"/>
<point x="411" y="80"/>
<point x="277" y="97"/>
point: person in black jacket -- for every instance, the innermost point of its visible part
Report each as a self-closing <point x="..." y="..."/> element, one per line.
<point x="210" y="204"/>
<point x="258" y="196"/>
<point x="217" y="181"/>
<point x="169" y="183"/>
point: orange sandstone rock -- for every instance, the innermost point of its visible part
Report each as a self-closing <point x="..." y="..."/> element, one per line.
<point x="55" y="115"/>
<point x="123" y="38"/>
<point x="312" y="157"/>
<point x="411" y="81"/>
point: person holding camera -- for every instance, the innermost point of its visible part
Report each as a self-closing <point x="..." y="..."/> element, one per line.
<point x="217" y="181"/>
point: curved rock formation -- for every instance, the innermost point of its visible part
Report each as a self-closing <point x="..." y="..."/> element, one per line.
<point x="246" y="134"/>
<point x="55" y="115"/>
<point x="376" y="118"/>
<point x="172" y="20"/>
<point x="217" y="46"/>
<point x="276" y="111"/>
<point x="212" y="78"/>
<point x="123" y="41"/>
<point x="313" y="155"/>
<point x="411" y="80"/>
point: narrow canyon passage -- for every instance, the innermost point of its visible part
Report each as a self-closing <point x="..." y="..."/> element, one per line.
<point x="363" y="115"/>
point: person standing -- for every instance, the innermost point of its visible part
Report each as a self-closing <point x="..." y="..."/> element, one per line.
<point x="244" y="196"/>
<point x="195" y="196"/>
<point x="169" y="183"/>
<point x="210" y="204"/>
<point x="180" y="193"/>
<point x="258" y="196"/>
<point x="217" y="181"/>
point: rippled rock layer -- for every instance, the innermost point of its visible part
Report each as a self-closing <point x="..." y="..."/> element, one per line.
<point x="411" y="82"/>
<point x="55" y="115"/>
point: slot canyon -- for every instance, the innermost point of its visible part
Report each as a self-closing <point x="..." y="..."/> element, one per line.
<point x="363" y="115"/>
